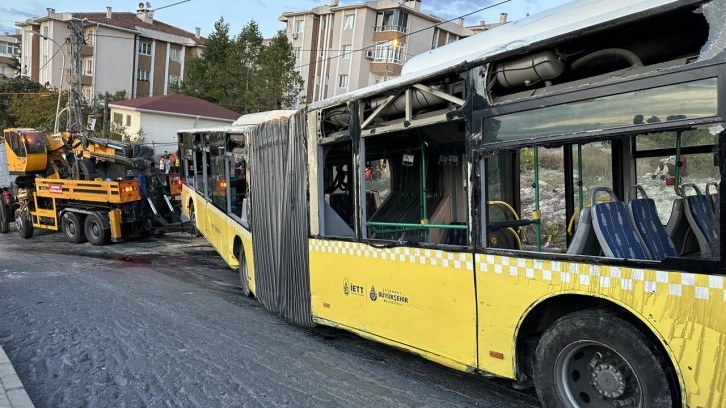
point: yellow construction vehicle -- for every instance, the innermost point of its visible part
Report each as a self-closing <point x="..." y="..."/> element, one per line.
<point x="89" y="188"/>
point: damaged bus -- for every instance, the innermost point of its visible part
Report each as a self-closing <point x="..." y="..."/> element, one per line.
<point x="538" y="202"/>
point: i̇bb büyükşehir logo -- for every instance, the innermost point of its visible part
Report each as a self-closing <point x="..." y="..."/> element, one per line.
<point x="373" y="293"/>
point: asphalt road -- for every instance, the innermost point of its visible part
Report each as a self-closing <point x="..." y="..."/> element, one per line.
<point x="162" y="323"/>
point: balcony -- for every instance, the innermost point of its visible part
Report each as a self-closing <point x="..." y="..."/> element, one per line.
<point x="392" y="27"/>
<point x="381" y="68"/>
<point x="86" y="79"/>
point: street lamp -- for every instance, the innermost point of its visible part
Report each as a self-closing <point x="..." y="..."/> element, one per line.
<point x="393" y="42"/>
<point x="60" y="85"/>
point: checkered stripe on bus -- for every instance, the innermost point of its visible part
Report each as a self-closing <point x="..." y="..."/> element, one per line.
<point x="418" y="256"/>
<point x="606" y="277"/>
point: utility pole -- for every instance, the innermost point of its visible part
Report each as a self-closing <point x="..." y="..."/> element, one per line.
<point x="105" y="115"/>
<point x="75" y="111"/>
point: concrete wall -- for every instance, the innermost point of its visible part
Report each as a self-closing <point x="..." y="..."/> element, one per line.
<point x="114" y="63"/>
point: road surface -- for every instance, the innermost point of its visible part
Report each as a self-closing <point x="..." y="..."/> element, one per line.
<point x="162" y="323"/>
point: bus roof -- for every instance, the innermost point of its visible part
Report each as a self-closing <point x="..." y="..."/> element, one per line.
<point x="244" y="123"/>
<point x="569" y="18"/>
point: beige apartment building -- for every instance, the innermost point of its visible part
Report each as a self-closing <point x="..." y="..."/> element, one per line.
<point x="122" y="51"/>
<point x="9" y="52"/>
<point x="340" y="48"/>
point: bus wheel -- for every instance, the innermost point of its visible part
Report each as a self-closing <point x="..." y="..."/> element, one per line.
<point x="72" y="227"/>
<point x="25" y="227"/>
<point x="4" y="218"/>
<point x="592" y="358"/>
<point x="244" y="277"/>
<point x="193" y="222"/>
<point x="96" y="233"/>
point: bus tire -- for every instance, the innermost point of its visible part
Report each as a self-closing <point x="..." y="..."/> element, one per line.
<point x="25" y="227"/>
<point x="96" y="231"/>
<point x="73" y="228"/>
<point x="244" y="276"/>
<point x="4" y="218"/>
<point x="592" y="358"/>
<point x="193" y="222"/>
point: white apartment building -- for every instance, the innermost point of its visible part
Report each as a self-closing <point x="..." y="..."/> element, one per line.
<point x="9" y="50"/>
<point x="340" y="48"/>
<point x="122" y="51"/>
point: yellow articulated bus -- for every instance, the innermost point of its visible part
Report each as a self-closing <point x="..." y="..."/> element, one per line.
<point x="538" y="202"/>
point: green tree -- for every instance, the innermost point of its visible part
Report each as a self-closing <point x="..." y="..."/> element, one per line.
<point x="242" y="60"/>
<point x="240" y="73"/>
<point x="278" y="82"/>
<point x="37" y="110"/>
<point x="12" y="88"/>
<point x="205" y="76"/>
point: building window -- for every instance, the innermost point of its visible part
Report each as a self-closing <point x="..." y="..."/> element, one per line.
<point x="87" y="93"/>
<point x="90" y="38"/>
<point x="143" y="75"/>
<point x="387" y="52"/>
<point x="342" y="81"/>
<point x="347" y="51"/>
<point x="144" y="48"/>
<point x="128" y="120"/>
<point x="298" y="53"/>
<point x="89" y="68"/>
<point x="173" y="79"/>
<point x="349" y="22"/>
<point x="299" y="26"/>
<point x="392" y="20"/>
<point x="118" y="119"/>
<point x="175" y="54"/>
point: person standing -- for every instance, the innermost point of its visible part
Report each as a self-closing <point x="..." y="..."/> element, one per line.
<point x="162" y="164"/>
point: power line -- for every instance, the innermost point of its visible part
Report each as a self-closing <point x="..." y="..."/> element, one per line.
<point x="43" y="94"/>
<point x="411" y="33"/>
<point x="37" y="72"/>
<point x="170" y="5"/>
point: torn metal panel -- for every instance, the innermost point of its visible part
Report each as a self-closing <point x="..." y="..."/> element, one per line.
<point x="279" y="217"/>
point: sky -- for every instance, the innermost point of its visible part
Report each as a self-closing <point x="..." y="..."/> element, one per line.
<point x="203" y="13"/>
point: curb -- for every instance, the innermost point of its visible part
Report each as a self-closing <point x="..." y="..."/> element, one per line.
<point x="12" y="393"/>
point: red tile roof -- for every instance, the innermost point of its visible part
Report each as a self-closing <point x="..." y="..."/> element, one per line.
<point x="131" y="21"/>
<point x="180" y="104"/>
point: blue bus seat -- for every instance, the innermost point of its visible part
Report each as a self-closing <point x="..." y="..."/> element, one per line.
<point x="700" y="218"/>
<point x="613" y="229"/>
<point x="648" y="226"/>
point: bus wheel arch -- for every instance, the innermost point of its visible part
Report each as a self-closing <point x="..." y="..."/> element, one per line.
<point x="543" y="315"/>
<point x="243" y="269"/>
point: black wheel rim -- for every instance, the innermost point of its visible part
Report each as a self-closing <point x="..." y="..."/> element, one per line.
<point x="71" y="226"/>
<point x="591" y="374"/>
<point x="95" y="229"/>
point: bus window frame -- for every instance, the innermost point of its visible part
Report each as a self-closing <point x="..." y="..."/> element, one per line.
<point x="689" y="73"/>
